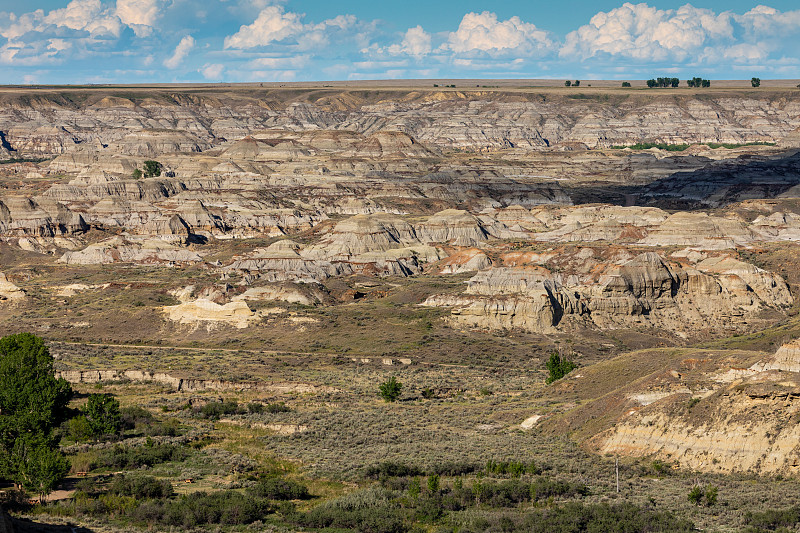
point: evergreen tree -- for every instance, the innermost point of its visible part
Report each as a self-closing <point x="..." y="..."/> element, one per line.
<point x="102" y="412"/>
<point x="32" y="403"/>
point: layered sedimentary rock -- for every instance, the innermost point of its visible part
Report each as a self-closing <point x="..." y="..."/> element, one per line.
<point x="8" y="291"/>
<point x="203" y="311"/>
<point x="476" y="120"/>
<point x="646" y="291"/>
<point x="751" y="431"/>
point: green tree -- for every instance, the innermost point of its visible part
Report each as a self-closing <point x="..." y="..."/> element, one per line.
<point x="652" y="83"/>
<point x="696" y="495"/>
<point x="711" y="495"/>
<point x="433" y="483"/>
<point x="79" y="429"/>
<point x="707" y="496"/>
<point x="567" y="83"/>
<point x="32" y="403"/>
<point x="137" y="174"/>
<point x="390" y="390"/>
<point x="152" y="169"/>
<point x="558" y="367"/>
<point x="102" y="412"/>
<point x="626" y="84"/>
<point x="755" y="82"/>
<point x="576" y="83"/>
<point x="41" y="467"/>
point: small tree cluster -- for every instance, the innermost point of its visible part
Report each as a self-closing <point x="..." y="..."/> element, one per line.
<point x="707" y="496"/>
<point x="626" y="84"/>
<point x="569" y="83"/>
<point x="698" y="82"/>
<point x="755" y="82"/>
<point x="663" y="82"/>
<point x="558" y="367"/>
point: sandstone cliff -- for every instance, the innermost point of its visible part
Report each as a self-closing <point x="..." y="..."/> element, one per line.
<point x="740" y="421"/>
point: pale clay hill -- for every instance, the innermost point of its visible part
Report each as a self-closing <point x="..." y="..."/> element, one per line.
<point x="296" y="197"/>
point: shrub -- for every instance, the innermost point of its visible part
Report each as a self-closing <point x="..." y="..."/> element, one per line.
<point x="280" y="489"/>
<point x="279" y="407"/>
<point x="370" y="511"/>
<point x="626" y="84"/>
<point x="255" y="407"/>
<point x="755" y="82"/>
<point x="512" y="468"/>
<point x="127" y="457"/>
<point x="773" y="519"/>
<point x="141" y="487"/>
<point x="453" y="468"/>
<point x="558" y="367"/>
<point x="152" y="169"/>
<point x="134" y="416"/>
<point x="577" y="517"/>
<point x="215" y="410"/>
<point x="390" y="390"/>
<point x="389" y="469"/>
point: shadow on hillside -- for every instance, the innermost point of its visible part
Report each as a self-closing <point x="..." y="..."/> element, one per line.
<point x="716" y="185"/>
<point x="22" y="525"/>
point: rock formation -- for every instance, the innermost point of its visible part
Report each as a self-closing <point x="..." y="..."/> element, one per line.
<point x="646" y="291"/>
<point x="750" y="431"/>
<point x="9" y="291"/>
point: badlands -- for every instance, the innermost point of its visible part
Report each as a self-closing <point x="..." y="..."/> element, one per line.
<point x="429" y="226"/>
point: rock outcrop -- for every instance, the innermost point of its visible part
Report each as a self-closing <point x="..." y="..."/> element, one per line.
<point x="646" y="291"/>
<point x="8" y="291"/>
<point x="236" y="313"/>
<point x="740" y="424"/>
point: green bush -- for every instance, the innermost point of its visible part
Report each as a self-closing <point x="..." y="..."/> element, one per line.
<point x="707" y="496"/>
<point x="127" y="457"/>
<point x="576" y="517"/>
<point x="152" y="169"/>
<point x="278" y="407"/>
<point x="390" y="390"/>
<point x="511" y="468"/>
<point x="558" y="367"/>
<point x="389" y="469"/>
<point x="201" y="509"/>
<point x="275" y="488"/>
<point x="135" y="417"/>
<point x="215" y="410"/>
<point x="773" y="520"/>
<point x="141" y="487"/>
<point x="371" y="511"/>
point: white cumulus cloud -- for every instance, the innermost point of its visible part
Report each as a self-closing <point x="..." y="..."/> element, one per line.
<point x="274" y="25"/>
<point x="642" y="32"/>
<point x="212" y="71"/>
<point x="140" y="15"/>
<point x="88" y="15"/>
<point x="416" y="42"/>
<point x="181" y="51"/>
<point x="485" y="33"/>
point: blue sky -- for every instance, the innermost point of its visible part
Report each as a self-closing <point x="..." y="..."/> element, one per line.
<point x="126" y="41"/>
